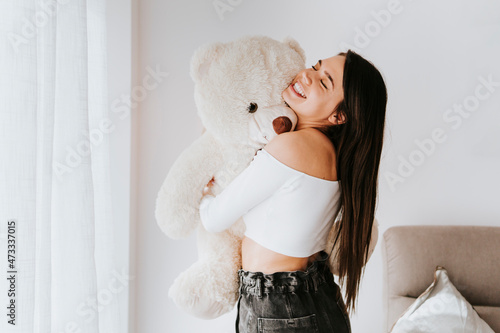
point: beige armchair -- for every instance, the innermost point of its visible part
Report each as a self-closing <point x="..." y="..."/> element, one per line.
<point x="470" y="254"/>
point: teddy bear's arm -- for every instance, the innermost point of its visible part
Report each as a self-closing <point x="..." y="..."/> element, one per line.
<point x="179" y="198"/>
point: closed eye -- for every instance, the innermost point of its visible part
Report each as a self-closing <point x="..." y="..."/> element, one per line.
<point x="324" y="85"/>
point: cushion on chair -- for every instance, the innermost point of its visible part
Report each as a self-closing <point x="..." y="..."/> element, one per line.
<point x="471" y="255"/>
<point x="441" y="309"/>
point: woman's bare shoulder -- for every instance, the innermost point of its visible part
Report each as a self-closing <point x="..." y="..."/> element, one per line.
<point x="287" y="145"/>
<point x="308" y="151"/>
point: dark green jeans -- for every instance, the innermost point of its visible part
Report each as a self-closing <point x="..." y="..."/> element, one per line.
<point x="291" y="302"/>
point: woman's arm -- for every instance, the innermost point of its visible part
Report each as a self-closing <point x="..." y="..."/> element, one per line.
<point x="263" y="177"/>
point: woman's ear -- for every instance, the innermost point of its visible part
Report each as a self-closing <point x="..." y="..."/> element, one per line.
<point x="337" y="118"/>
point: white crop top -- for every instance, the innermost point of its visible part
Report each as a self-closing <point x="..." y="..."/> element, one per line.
<point x="284" y="210"/>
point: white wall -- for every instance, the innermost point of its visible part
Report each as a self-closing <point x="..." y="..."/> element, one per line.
<point x="118" y="16"/>
<point x="431" y="55"/>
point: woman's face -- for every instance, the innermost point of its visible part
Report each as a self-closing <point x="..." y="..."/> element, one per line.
<point x="315" y="92"/>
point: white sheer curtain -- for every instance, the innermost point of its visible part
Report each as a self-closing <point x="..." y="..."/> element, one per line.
<point x="54" y="176"/>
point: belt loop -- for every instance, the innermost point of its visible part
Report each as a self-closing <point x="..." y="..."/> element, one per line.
<point x="259" y="287"/>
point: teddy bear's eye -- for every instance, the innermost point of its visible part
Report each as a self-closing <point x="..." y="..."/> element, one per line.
<point x="252" y="107"/>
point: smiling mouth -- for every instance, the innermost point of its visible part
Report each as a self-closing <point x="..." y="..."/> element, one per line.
<point x="297" y="88"/>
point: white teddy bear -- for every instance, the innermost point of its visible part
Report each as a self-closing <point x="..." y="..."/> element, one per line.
<point x="238" y="88"/>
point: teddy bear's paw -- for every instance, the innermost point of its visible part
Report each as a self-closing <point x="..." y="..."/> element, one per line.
<point x="205" y="290"/>
<point x="202" y="307"/>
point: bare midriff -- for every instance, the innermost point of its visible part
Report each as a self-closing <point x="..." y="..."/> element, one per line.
<point x="256" y="258"/>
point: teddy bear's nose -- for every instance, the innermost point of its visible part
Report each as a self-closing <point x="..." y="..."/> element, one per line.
<point x="282" y="124"/>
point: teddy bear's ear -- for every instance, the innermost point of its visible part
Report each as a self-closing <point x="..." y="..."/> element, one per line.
<point x="294" y="45"/>
<point x="203" y="58"/>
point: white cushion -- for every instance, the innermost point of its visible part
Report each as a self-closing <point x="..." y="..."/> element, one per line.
<point x="441" y="308"/>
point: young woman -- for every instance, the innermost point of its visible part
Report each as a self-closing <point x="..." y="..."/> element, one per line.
<point x="293" y="190"/>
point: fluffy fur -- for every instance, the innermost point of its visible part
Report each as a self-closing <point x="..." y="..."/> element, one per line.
<point x="228" y="78"/>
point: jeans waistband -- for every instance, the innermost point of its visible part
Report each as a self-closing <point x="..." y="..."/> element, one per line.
<point x="257" y="283"/>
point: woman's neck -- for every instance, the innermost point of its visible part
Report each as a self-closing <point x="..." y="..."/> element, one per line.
<point x="305" y="125"/>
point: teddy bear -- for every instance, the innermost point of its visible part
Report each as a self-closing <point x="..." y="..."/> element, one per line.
<point x="238" y="88"/>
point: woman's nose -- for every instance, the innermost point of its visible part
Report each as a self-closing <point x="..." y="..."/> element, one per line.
<point x="305" y="77"/>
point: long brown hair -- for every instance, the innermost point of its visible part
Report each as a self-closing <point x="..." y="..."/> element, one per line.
<point x="358" y="142"/>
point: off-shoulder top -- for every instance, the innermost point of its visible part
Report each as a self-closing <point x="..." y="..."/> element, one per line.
<point x="285" y="210"/>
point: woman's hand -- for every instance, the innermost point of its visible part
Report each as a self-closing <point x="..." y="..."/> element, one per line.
<point x="207" y="190"/>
